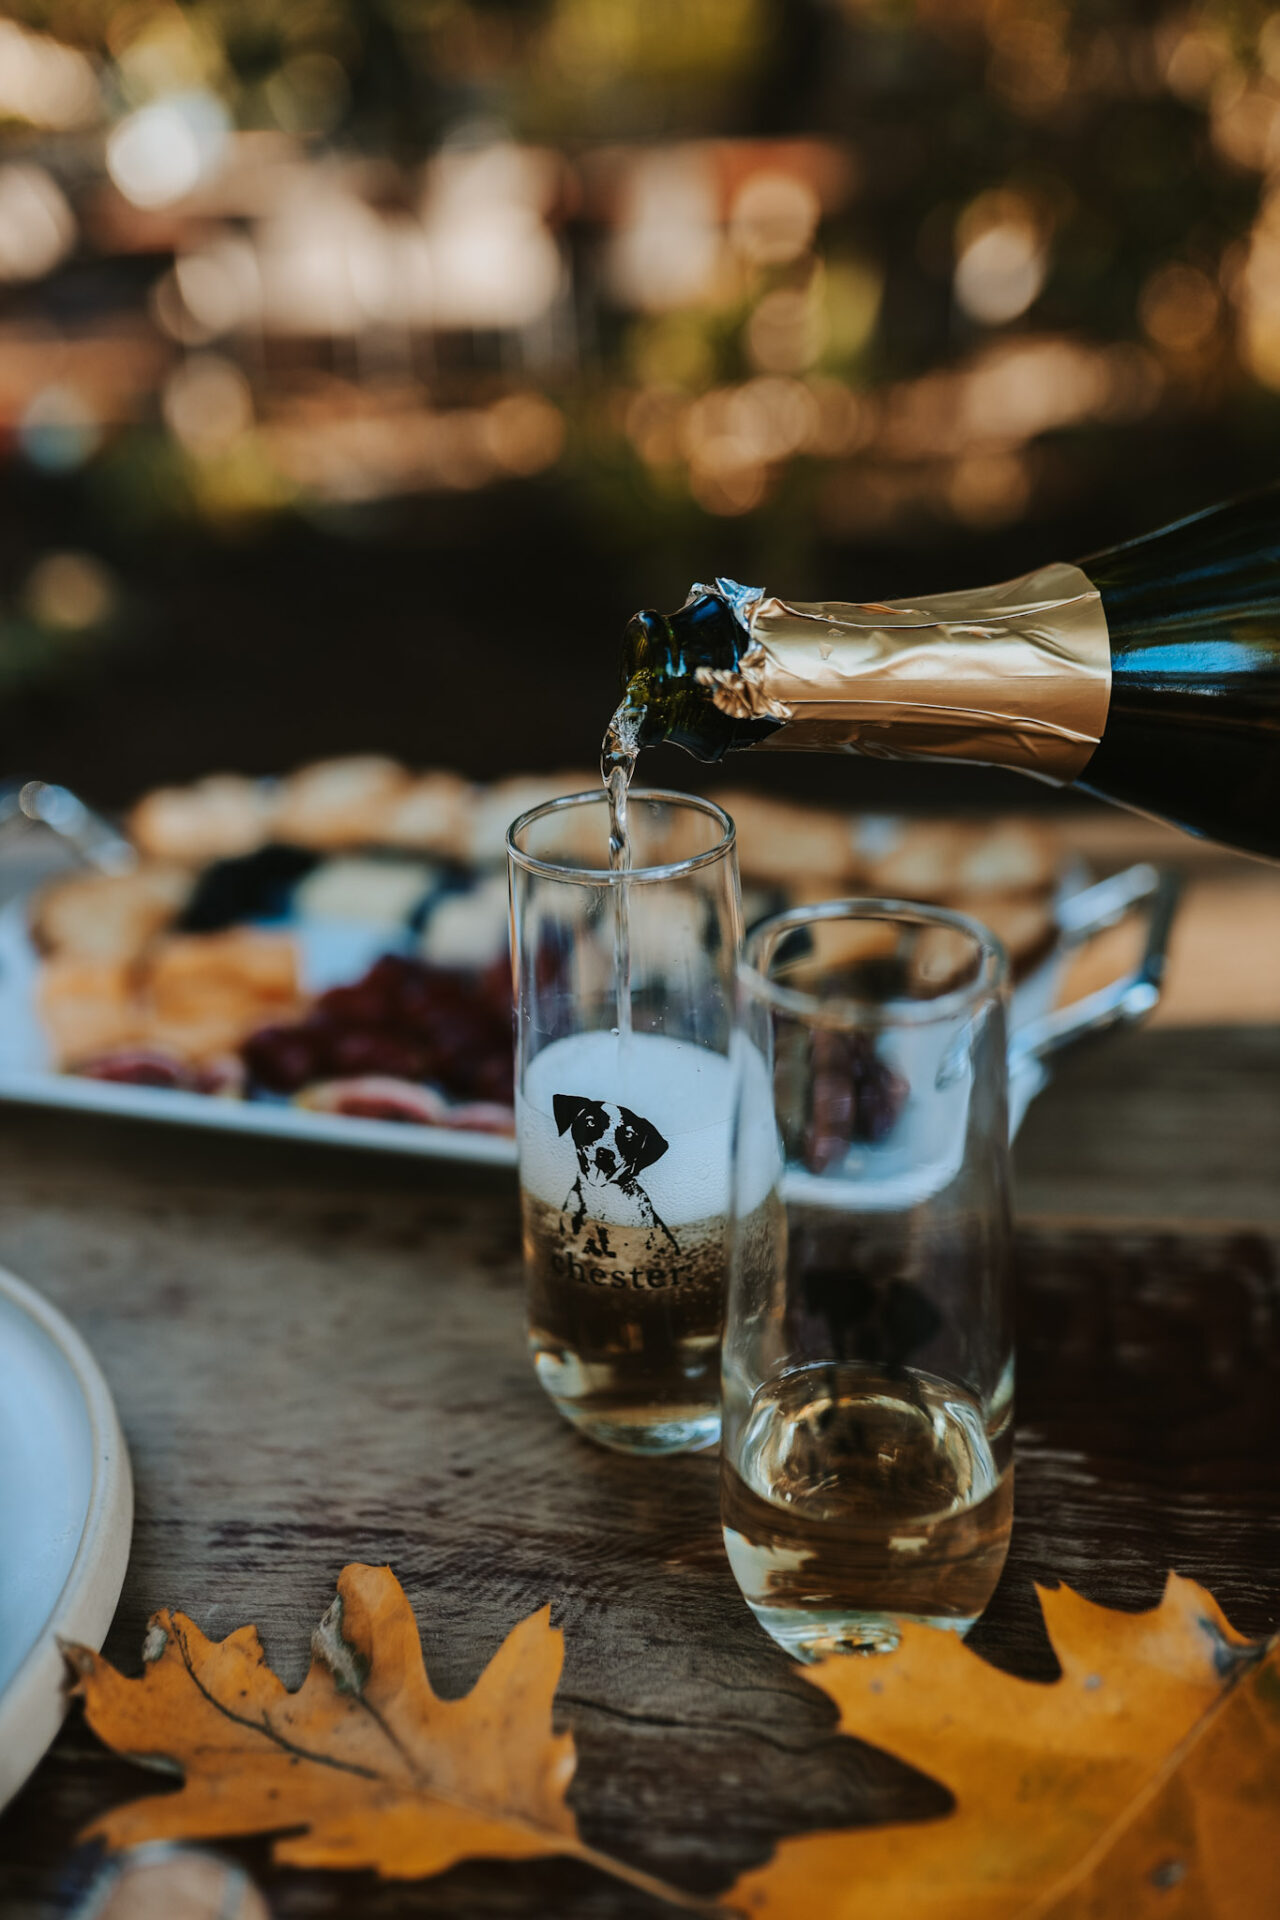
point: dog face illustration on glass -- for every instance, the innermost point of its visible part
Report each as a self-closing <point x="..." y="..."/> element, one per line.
<point x="614" y="1146"/>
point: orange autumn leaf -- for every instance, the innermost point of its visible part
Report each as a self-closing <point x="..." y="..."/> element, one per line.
<point x="364" y="1766"/>
<point x="1145" y="1781"/>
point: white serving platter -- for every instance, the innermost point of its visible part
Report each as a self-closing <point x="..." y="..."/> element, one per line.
<point x="27" y="1074"/>
<point x="66" y="1518"/>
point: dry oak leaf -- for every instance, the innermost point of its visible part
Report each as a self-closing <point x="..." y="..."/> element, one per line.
<point x="1145" y="1781"/>
<point x="364" y="1766"/>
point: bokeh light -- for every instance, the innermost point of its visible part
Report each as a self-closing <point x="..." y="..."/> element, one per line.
<point x="37" y="226"/>
<point x="208" y="403"/>
<point x="1002" y="263"/>
<point x="59" y="429"/>
<point x="165" y="150"/>
<point x="45" y="83"/>
<point x="575" y="241"/>
<point x="69" y="592"/>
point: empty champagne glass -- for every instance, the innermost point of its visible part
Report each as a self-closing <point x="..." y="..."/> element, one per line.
<point x="868" y="1353"/>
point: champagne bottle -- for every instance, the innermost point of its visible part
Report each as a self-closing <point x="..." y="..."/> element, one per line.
<point x="1148" y="674"/>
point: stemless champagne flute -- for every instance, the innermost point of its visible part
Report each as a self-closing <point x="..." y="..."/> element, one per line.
<point x="868" y="1352"/>
<point x="624" y="986"/>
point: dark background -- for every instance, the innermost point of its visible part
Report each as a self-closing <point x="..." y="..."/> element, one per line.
<point x="1037" y="290"/>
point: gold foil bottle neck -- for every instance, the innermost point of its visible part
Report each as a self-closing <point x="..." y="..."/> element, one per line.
<point x="1017" y="675"/>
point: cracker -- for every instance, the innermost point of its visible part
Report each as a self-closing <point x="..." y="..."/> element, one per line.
<point x="338" y="803"/>
<point x="1008" y="857"/>
<point x="108" y="916"/>
<point x="829" y="949"/>
<point x="581" y="836"/>
<point x="215" y="819"/>
<point x="432" y="814"/>
<point x="778" y="839"/>
<point x="1024" y="925"/>
<point x="204" y="993"/>
<point x="921" y="864"/>
<point x="942" y="860"/>
<point x="244" y="968"/>
<point x="87" y="1006"/>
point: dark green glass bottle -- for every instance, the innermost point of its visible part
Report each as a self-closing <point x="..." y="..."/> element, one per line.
<point x="662" y="655"/>
<point x="1149" y="674"/>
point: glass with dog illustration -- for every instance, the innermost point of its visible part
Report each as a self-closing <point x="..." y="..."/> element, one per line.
<point x="866" y="1467"/>
<point x="624" y="1095"/>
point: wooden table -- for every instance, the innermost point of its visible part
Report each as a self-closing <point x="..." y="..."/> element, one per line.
<point x="319" y="1357"/>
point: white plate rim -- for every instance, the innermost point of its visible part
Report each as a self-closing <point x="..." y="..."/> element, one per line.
<point x="279" y="1122"/>
<point x="34" y="1703"/>
<point x="27" y="1080"/>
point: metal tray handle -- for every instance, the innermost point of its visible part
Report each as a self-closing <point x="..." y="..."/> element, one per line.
<point x="1123" y="1002"/>
<point x="39" y="803"/>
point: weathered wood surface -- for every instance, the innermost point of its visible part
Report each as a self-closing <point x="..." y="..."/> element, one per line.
<point x="1164" y="1126"/>
<point x="319" y="1357"/>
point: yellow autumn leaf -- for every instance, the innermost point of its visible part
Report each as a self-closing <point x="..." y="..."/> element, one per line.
<point x="364" y="1766"/>
<point x="1143" y="1784"/>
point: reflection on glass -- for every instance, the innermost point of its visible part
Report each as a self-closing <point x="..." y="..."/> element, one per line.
<point x="868" y="1359"/>
<point x="623" y="1126"/>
